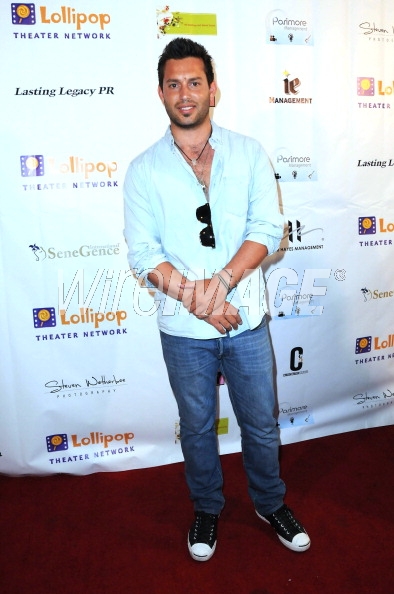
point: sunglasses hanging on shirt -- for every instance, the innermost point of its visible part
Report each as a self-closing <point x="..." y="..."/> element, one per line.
<point x="207" y="237"/>
<point x="203" y="213"/>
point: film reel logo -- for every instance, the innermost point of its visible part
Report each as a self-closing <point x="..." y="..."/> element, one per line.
<point x="366" y="225"/>
<point x="57" y="443"/>
<point x="23" y="14"/>
<point x="32" y="165"/>
<point x="365" y="86"/>
<point x="363" y="345"/>
<point x="44" y="317"/>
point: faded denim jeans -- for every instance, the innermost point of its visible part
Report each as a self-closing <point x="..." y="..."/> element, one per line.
<point x="246" y="362"/>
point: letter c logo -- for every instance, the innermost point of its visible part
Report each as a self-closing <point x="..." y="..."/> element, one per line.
<point x="296" y="358"/>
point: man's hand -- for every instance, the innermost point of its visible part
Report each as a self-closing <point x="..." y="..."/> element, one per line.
<point x="206" y="299"/>
<point x="226" y="319"/>
<point x="203" y="297"/>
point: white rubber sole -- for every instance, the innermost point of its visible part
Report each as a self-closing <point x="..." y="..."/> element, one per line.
<point x="201" y="551"/>
<point x="300" y="543"/>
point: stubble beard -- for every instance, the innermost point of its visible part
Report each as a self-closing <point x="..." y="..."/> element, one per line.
<point x="188" y="122"/>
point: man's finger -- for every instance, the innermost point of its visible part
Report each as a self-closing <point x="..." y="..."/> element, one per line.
<point x="222" y="323"/>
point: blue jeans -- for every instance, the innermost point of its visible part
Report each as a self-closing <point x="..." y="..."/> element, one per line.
<point x="246" y="362"/>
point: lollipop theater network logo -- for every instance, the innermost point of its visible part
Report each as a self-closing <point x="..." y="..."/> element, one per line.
<point x="370" y="226"/>
<point x="83" y="173"/>
<point x="44" y="317"/>
<point x="25" y="14"/>
<point x="32" y="166"/>
<point x="60" y="441"/>
<point x="105" y="445"/>
<point x="379" y="345"/>
<point x="363" y="345"/>
<point x="366" y="87"/>
<point x="57" y="443"/>
<point x="367" y="225"/>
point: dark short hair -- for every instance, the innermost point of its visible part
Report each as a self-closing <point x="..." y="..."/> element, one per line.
<point x="180" y="48"/>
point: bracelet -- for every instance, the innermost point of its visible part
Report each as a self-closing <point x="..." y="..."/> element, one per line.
<point x="230" y="276"/>
<point x="221" y="279"/>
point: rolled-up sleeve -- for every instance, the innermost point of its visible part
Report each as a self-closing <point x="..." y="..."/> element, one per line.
<point x="141" y="231"/>
<point x="264" y="220"/>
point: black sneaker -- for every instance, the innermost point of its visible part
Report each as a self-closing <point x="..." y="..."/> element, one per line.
<point x="290" y="532"/>
<point x="202" y="536"/>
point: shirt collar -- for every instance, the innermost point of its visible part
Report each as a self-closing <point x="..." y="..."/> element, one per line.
<point x="216" y="136"/>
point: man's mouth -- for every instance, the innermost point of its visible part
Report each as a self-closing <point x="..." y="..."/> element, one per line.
<point x="186" y="109"/>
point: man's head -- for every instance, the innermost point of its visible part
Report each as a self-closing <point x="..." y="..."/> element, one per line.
<point x="186" y="84"/>
<point x="181" y="48"/>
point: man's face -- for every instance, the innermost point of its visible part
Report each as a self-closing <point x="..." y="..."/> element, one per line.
<point x="186" y="94"/>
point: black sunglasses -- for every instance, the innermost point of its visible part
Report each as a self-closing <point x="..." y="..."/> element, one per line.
<point x="207" y="237"/>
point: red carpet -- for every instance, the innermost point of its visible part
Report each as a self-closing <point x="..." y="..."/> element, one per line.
<point x="126" y="532"/>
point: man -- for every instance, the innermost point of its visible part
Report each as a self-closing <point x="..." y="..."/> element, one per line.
<point x="201" y="213"/>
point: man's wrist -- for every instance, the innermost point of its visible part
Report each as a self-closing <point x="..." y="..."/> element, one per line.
<point x="224" y="282"/>
<point x="226" y="278"/>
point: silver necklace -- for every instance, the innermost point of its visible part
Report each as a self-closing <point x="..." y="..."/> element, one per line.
<point x="194" y="161"/>
<point x="200" y="178"/>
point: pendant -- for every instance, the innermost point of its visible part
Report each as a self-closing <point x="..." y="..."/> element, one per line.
<point x="194" y="162"/>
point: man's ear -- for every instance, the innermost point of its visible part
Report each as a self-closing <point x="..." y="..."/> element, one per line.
<point x="212" y="92"/>
<point x="160" y="93"/>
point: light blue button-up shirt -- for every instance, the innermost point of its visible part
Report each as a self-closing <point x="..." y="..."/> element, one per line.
<point x="162" y="194"/>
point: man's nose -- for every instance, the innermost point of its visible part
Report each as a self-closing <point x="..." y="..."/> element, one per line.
<point x="185" y="92"/>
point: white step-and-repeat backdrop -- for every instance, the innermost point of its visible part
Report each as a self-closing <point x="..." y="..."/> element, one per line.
<point x="83" y="384"/>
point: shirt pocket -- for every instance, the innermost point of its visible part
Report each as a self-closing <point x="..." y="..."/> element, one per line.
<point x="234" y="193"/>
